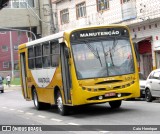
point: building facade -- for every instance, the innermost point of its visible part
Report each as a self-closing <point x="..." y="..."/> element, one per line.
<point x="35" y="17"/>
<point x="141" y="16"/>
<point x="9" y="42"/>
<point x="31" y="15"/>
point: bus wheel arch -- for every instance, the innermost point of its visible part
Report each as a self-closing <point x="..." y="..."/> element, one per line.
<point x="62" y="109"/>
<point x="56" y="90"/>
<point x="38" y="105"/>
<point x="32" y="89"/>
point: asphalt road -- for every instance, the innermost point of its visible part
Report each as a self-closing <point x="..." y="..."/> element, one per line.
<point x="14" y="110"/>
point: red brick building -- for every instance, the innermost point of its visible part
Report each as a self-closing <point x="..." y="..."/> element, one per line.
<point x="5" y="50"/>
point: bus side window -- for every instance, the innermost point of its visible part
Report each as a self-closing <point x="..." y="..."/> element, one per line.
<point x="38" y="56"/>
<point x="31" y="58"/>
<point x="55" y="54"/>
<point x="46" y="54"/>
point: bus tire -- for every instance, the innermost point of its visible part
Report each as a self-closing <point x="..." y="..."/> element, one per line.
<point x="115" y="104"/>
<point x="148" y="95"/>
<point x="38" y="105"/>
<point x="62" y="109"/>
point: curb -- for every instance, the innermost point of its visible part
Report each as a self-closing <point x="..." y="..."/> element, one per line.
<point x="12" y="85"/>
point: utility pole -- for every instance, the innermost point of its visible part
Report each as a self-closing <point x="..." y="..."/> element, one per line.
<point x="12" y="59"/>
<point x="52" y="19"/>
<point x="30" y="38"/>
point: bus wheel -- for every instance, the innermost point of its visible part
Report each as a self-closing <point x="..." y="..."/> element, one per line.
<point x="115" y="104"/>
<point x="148" y="95"/>
<point x="37" y="104"/>
<point x="62" y="109"/>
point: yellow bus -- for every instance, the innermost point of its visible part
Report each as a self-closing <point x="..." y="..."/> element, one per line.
<point x="89" y="65"/>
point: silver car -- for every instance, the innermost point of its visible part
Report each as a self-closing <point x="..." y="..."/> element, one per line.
<point x="152" y="88"/>
<point x="1" y="85"/>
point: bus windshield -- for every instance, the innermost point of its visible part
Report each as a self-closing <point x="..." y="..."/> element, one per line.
<point x="103" y="57"/>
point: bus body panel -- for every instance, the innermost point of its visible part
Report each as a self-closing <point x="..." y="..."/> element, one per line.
<point x="46" y="94"/>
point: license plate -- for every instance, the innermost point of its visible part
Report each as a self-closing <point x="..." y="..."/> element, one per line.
<point x="110" y="94"/>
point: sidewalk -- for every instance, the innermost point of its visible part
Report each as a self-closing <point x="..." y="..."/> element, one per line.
<point x="12" y="87"/>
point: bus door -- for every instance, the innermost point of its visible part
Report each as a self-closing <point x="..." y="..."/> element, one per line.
<point x="23" y="74"/>
<point x="65" y="69"/>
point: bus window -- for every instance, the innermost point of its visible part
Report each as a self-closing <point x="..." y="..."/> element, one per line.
<point x="31" y="58"/>
<point x="38" y="56"/>
<point x="55" y="54"/>
<point x="46" y="55"/>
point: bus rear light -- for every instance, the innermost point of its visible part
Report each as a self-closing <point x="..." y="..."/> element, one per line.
<point x="95" y="90"/>
<point x="83" y="88"/>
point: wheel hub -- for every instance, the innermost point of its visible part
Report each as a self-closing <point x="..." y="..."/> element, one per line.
<point x="59" y="103"/>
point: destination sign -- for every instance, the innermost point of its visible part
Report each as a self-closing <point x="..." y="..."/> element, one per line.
<point x="99" y="33"/>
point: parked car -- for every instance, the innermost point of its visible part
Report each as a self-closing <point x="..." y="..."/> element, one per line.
<point x="152" y="89"/>
<point x="142" y="82"/>
<point x="1" y="85"/>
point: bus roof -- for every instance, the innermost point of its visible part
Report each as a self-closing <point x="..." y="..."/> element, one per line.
<point x="47" y="38"/>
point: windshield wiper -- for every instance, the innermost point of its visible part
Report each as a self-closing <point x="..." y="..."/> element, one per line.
<point x="96" y="53"/>
<point x="111" y="58"/>
<point x="105" y="59"/>
<point x="115" y="42"/>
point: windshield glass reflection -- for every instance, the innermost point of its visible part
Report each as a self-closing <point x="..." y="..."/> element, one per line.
<point x="94" y="59"/>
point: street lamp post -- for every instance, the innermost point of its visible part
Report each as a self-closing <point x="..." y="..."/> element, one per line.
<point x="13" y="29"/>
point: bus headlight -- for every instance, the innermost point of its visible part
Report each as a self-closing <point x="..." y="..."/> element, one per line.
<point x="100" y="97"/>
<point x="119" y="95"/>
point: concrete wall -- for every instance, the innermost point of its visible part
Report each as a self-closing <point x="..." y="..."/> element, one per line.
<point x="17" y="18"/>
<point x="38" y="17"/>
<point x="112" y="15"/>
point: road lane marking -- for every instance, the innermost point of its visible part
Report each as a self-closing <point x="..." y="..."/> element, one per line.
<point x="58" y="120"/>
<point x="72" y="123"/>
<point x="104" y="131"/>
<point x="9" y="90"/>
<point x="41" y="116"/>
<point x="29" y="113"/>
<point x="27" y="118"/>
<point x="4" y="107"/>
<point x="12" y="109"/>
<point x="20" y="111"/>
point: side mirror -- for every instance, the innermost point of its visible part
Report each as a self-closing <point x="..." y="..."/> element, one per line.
<point x="136" y="51"/>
